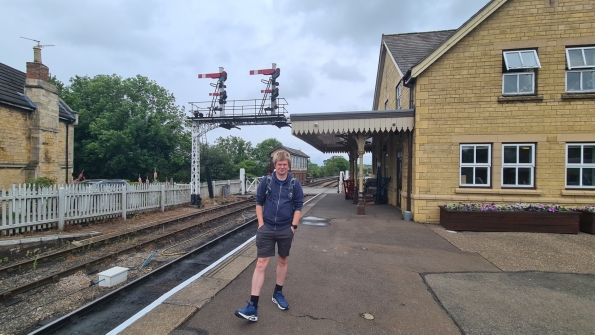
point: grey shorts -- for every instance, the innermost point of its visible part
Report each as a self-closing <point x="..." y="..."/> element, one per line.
<point x="266" y="238"/>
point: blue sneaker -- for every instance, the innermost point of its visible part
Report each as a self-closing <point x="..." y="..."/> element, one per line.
<point x="249" y="312"/>
<point x="279" y="299"/>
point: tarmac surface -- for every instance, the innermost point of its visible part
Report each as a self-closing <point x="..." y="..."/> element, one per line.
<point x="411" y="278"/>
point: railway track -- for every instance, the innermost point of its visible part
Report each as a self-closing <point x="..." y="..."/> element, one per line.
<point x="322" y="182"/>
<point x="41" y="259"/>
<point x="146" y="286"/>
<point x="147" y="238"/>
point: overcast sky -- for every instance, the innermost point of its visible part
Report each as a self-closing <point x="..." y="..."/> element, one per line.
<point x="327" y="50"/>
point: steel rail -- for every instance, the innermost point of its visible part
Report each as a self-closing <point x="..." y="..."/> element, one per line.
<point x="8" y="294"/>
<point x="106" y="239"/>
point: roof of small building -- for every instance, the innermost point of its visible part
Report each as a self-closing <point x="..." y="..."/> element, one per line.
<point x="12" y="88"/>
<point x="291" y="151"/>
<point x="12" y="92"/>
<point x="411" y="48"/>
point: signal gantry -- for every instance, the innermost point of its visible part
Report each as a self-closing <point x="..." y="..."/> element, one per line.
<point x="218" y="112"/>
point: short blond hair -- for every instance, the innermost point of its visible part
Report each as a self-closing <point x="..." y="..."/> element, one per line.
<point x="281" y="155"/>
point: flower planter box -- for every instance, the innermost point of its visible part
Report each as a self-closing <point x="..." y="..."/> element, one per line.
<point x="587" y="222"/>
<point x="532" y="222"/>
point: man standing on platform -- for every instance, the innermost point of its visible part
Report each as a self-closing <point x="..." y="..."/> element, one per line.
<point x="279" y="201"/>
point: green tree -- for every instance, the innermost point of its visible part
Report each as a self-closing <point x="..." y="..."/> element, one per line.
<point x="314" y="171"/>
<point x="333" y="165"/>
<point x="238" y="149"/>
<point x="250" y="166"/>
<point x="219" y="163"/>
<point x="260" y="154"/>
<point x="127" y="127"/>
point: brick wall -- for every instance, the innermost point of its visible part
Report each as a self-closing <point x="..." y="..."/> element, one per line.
<point x="457" y="101"/>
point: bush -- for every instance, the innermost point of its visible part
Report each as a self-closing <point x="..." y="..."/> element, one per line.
<point x="41" y="182"/>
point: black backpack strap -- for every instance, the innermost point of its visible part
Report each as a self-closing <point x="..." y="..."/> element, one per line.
<point x="291" y="187"/>
<point x="268" y="188"/>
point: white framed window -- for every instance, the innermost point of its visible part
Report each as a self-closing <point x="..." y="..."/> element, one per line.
<point x="580" y="165"/>
<point x="399" y="92"/>
<point x="521" y="59"/>
<point x="518" y="83"/>
<point x="475" y="164"/>
<point x="518" y="165"/>
<point x="519" y="74"/>
<point x="580" y="81"/>
<point x="580" y="58"/>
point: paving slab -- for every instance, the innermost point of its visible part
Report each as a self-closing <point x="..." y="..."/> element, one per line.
<point x="518" y="303"/>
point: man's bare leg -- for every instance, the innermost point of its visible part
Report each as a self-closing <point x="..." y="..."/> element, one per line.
<point x="281" y="270"/>
<point x="258" y="276"/>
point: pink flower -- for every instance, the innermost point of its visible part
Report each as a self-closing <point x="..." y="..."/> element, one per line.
<point x="140" y="181"/>
<point x="147" y="179"/>
<point x="155" y="175"/>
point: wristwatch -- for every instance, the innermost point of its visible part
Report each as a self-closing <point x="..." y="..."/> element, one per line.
<point x="294" y="226"/>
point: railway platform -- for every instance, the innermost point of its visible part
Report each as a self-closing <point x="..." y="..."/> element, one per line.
<point x="379" y="274"/>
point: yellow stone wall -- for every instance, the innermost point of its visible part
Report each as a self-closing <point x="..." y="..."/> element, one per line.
<point x="388" y="86"/>
<point x="33" y="144"/>
<point x="14" y="145"/>
<point x="457" y="101"/>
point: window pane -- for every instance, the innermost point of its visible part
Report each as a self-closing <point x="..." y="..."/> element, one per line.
<point x="510" y="84"/>
<point x="590" y="57"/>
<point x="467" y="175"/>
<point x="572" y="176"/>
<point x="481" y="176"/>
<point x="588" y="80"/>
<point x="529" y="59"/>
<point x="509" y="176"/>
<point x="513" y="60"/>
<point x="589" y="154"/>
<point x="510" y="155"/>
<point x="573" y="81"/>
<point x="588" y="176"/>
<point x="482" y="154"/>
<point x="524" y="176"/>
<point x="574" y="154"/>
<point x="467" y="154"/>
<point x="576" y="57"/>
<point x="525" y="83"/>
<point x="526" y="154"/>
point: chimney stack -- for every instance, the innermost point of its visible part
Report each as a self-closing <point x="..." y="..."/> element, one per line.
<point x="35" y="69"/>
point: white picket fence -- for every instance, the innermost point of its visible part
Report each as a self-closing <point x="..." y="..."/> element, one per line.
<point x="24" y="208"/>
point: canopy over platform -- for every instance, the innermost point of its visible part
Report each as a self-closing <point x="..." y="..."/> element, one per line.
<point x="334" y="132"/>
